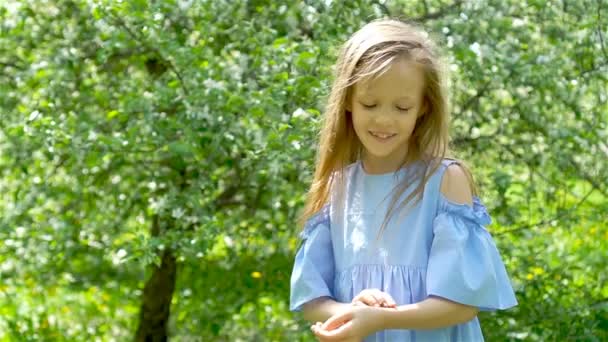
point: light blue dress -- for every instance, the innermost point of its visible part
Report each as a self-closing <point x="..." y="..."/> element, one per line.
<point x="440" y="248"/>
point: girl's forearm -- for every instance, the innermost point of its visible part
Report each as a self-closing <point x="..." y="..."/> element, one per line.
<point x="430" y="313"/>
<point x="320" y="309"/>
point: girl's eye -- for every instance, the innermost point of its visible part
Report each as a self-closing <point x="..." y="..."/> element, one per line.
<point x="374" y="106"/>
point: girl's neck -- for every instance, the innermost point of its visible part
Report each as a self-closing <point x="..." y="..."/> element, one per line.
<point x="375" y="166"/>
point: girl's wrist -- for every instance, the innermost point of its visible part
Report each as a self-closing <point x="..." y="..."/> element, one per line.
<point x="379" y="317"/>
<point x="384" y="317"/>
<point x="337" y="308"/>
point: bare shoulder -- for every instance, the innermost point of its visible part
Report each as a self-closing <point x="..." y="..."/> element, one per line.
<point x="455" y="185"/>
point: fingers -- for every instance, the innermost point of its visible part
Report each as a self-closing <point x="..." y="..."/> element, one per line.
<point x="384" y="299"/>
<point x="358" y="303"/>
<point x="374" y="297"/>
<point x="388" y="300"/>
<point x="337" y="321"/>
<point x="368" y="297"/>
<point x="338" y="334"/>
<point x="315" y="327"/>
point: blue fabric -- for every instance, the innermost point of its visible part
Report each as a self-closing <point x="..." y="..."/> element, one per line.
<point x="313" y="271"/>
<point x="439" y="248"/>
<point x="464" y="263"/>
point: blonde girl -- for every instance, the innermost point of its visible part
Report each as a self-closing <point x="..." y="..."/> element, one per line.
<point x="394" y="246"/>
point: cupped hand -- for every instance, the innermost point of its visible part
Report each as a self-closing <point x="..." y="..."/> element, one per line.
<point x="353" y="324"/>
<point x="374" y="297"/>
<point x="319" y="325"/>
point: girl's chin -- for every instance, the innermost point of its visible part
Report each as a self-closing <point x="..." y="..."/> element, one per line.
<point x="378" y="153"/>
<point x="379" y="147"/>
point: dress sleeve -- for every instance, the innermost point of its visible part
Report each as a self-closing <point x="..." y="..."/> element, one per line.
<point x="464" y="263"/>
<point x="313" y="270"/>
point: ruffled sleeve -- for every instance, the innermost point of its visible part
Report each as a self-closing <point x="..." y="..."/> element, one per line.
<point x="313" y="270"/>
<point x="464" y="263"/>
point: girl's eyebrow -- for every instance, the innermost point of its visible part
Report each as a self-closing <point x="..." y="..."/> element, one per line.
<point x="367" y="95"/>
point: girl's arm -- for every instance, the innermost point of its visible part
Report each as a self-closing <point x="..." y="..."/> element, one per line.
<point x="320" y="309"/>
<point x="431" y="313"/>
<point x="360" y="321"/>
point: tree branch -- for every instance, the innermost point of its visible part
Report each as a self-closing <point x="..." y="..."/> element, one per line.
<point x="584" y="175"/>
<point x="545" y="222"/>
<point x="120" y="22"/>
<point x="473" y="99"/>
<point x="383" y="7"/>
<point x="595" y="185"/>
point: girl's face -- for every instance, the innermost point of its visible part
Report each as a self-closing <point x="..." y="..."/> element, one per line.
<point x="384" y="113"/>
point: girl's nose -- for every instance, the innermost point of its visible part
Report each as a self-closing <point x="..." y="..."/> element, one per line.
<point x="382" y="119"/>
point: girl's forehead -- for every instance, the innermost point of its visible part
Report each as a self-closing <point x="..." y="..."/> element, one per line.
<point x="400" y="80"/>
<point x="398" y="93"/>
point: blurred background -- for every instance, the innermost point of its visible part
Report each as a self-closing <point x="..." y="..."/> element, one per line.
<point x="154" y="157"/>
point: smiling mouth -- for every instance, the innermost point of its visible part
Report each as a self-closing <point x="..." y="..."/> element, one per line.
<point x="382" y="135"/>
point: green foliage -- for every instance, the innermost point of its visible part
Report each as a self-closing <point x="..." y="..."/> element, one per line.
<point x="205" y="113"/>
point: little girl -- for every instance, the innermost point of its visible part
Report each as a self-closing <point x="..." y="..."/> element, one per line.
<point x="394" y="246"/>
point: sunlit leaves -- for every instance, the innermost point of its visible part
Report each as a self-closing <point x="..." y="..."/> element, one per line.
<point x="205" y="113"/>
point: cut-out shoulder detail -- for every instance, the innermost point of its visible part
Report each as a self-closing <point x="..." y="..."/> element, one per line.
<point x="455" y="185"/>
<point x="477" y="213"/>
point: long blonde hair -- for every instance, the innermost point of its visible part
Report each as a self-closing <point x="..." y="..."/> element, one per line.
<point x="368" y="53"/>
